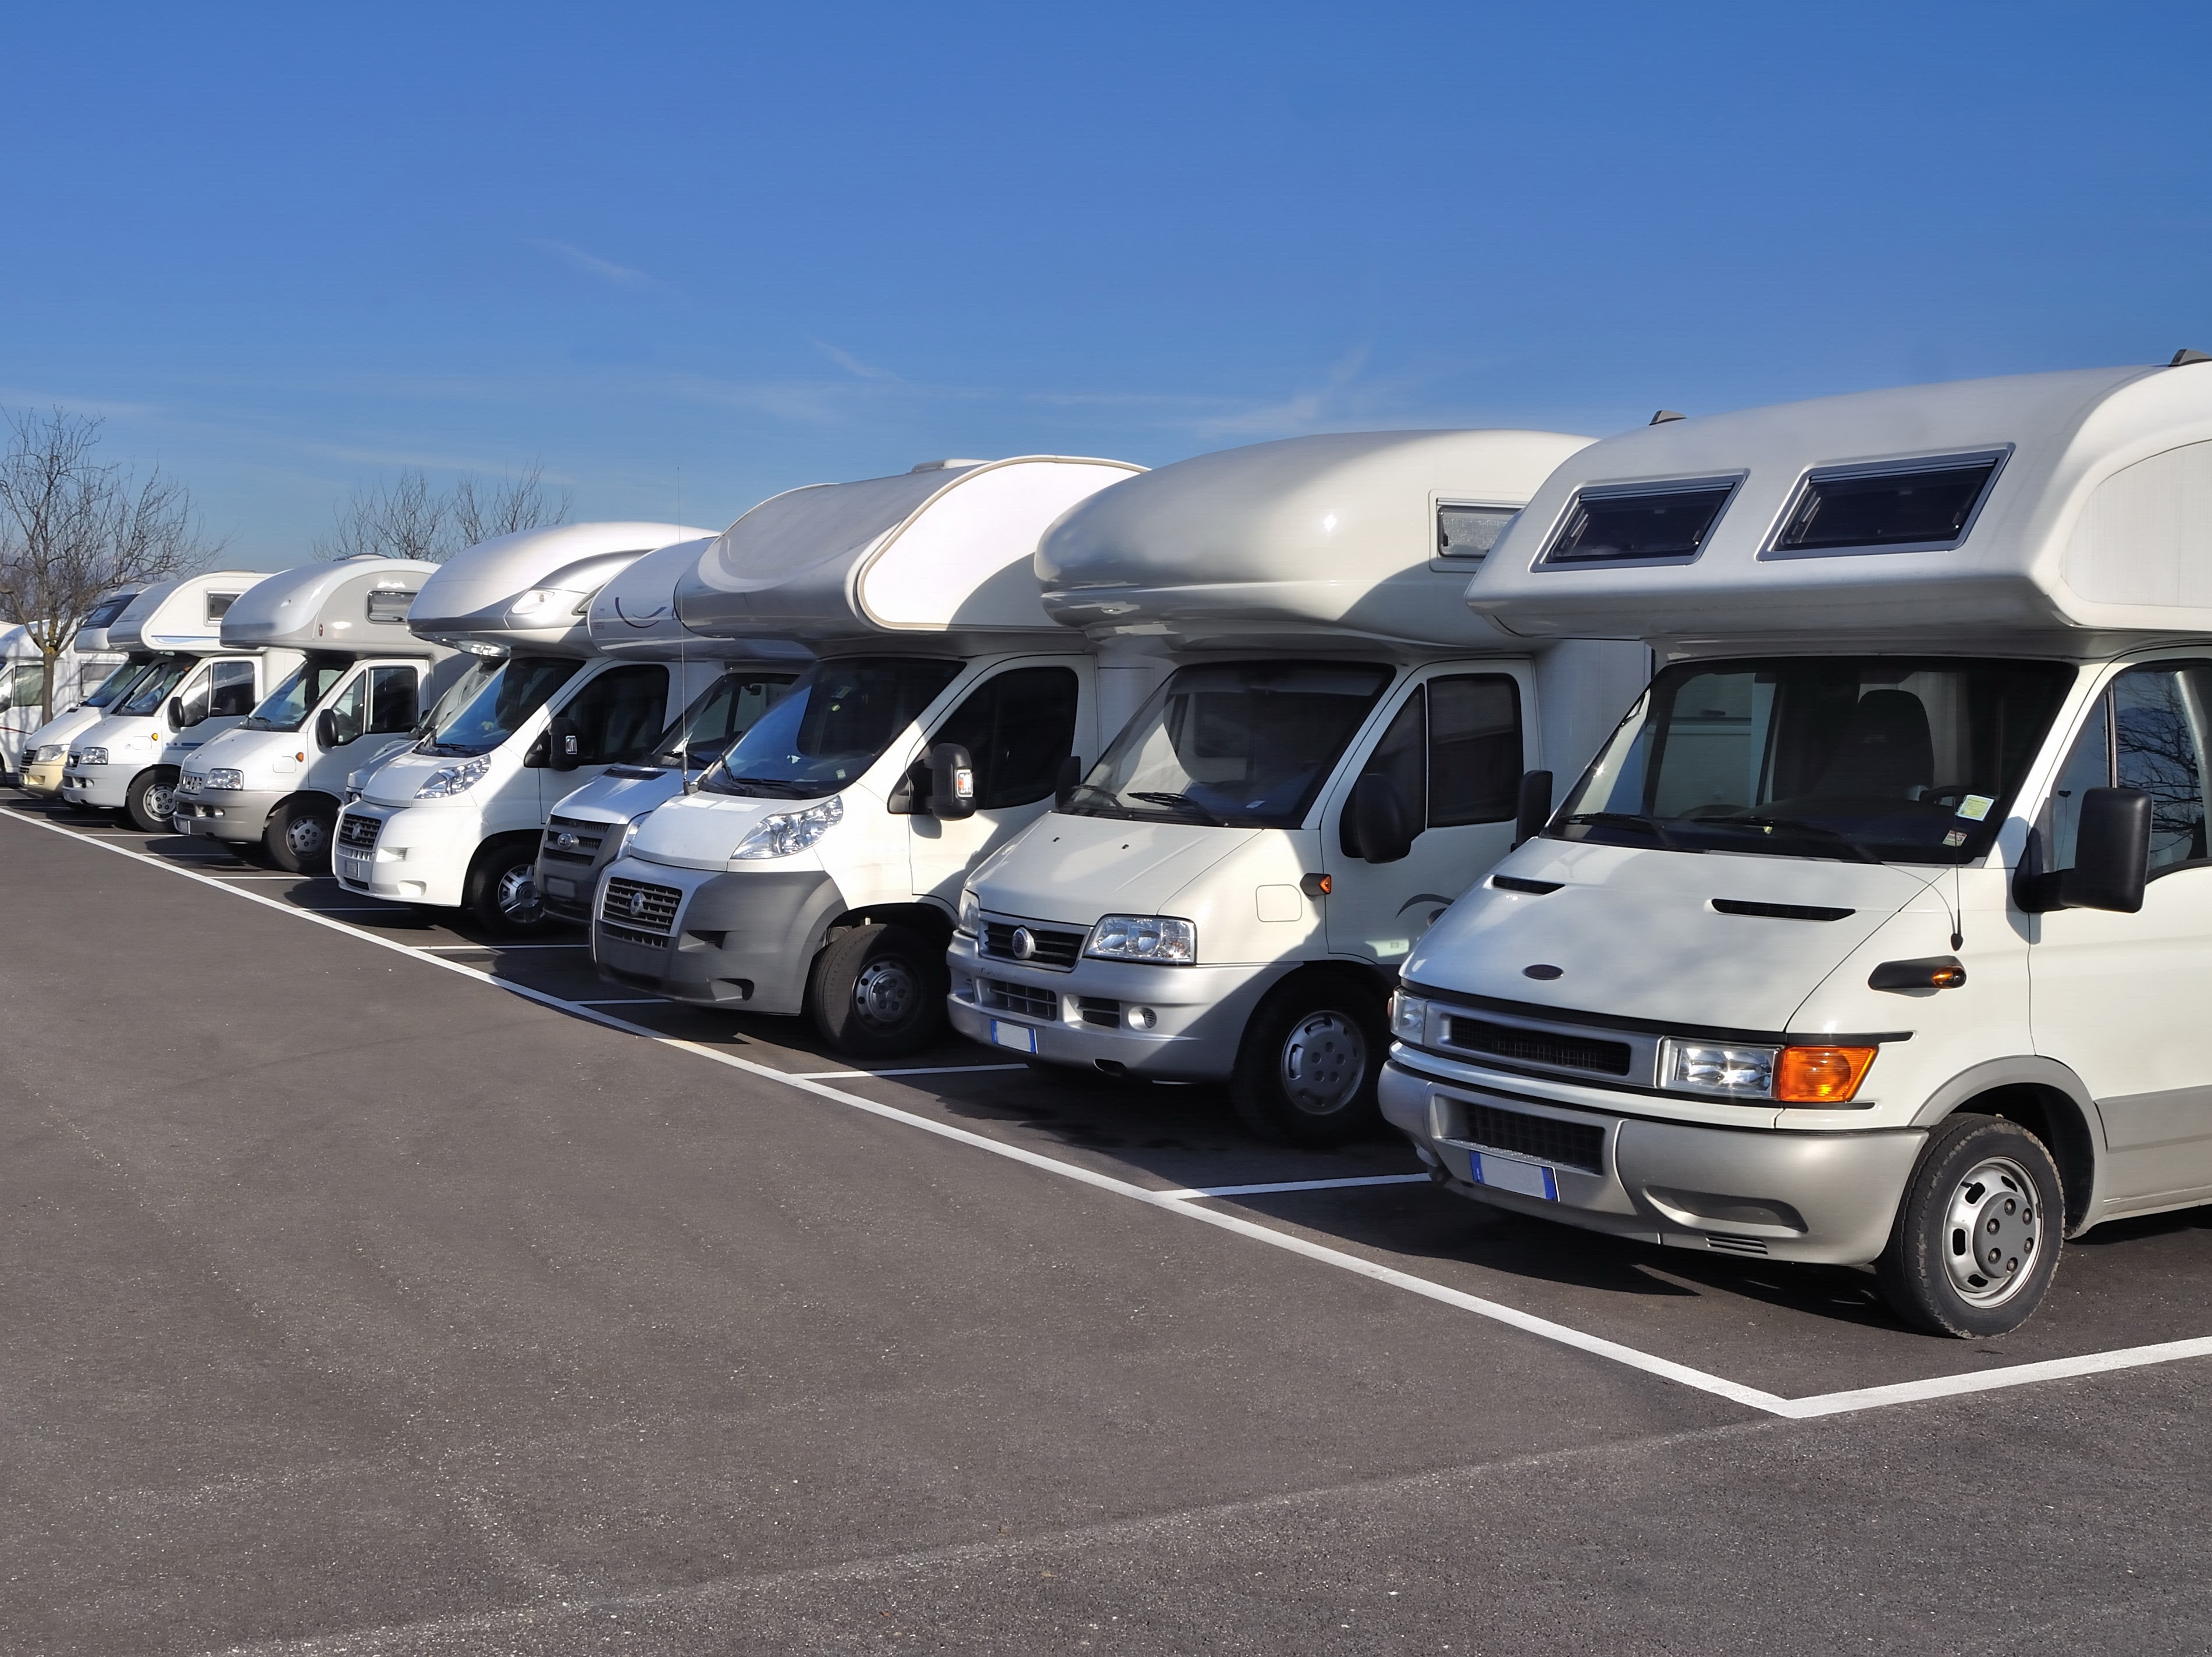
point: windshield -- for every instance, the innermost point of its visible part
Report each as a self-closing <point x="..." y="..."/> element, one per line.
<point x="728" y="709"/>
<point x="489" y="705"/>
<point x="1240" y="744"/>
<point x="162" y="676"/>
<point x="1873" y="758"/>
<point x="286" y="707"/>
<point x="119" y="682"/>
<point x="829" y="727"/>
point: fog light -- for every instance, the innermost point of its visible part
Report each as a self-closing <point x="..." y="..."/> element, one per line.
<point x="1142" y="1019"/>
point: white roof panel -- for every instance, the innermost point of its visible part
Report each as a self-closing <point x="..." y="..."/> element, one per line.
<point x="359" y="605"/>
<point x="185" y="614"/>
<point x="531" y="589"/>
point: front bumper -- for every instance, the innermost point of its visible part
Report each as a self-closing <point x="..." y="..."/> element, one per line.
<point x="1081" y="1017"/>
<point x="230" y="814"/>
<point x="98" y="787"/>
<point x="737" y="939"/>
<point x="417" y="856"/>
<point x="44" y="778"/>
<point x="1828" y="1197"/>
<point x="569" y="878"/>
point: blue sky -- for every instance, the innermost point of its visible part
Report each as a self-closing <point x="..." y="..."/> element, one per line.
<point x="288" y="250"/>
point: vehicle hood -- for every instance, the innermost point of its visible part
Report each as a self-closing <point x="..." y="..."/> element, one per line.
<point x="621" y="799"/>
<point x="1073" y="870"/>
<point x="1634" y="934"/>
<point x="114" y="730"/>
<point x="700" y="831"/>
<point x="186" y="743"/>
<point x="394" y="781"/>
<point x="253" y="752"/>
<point x="65" y="727"/>
<point x="327" y="773"/>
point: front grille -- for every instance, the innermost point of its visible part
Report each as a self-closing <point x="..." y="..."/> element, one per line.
<point x="635" y="904"/>
<point x="189" y="784"/>
<point x="1002" y="997"/>
<point x="1049" y="947"/>
<point x="1544" y="1139"/>
<point x="1537" y="1047"/>
<point x="584" y="841"/>
<point x="1097" y="1010"/>
<point x="359" y="833"/>
<point x="631" y="935"/>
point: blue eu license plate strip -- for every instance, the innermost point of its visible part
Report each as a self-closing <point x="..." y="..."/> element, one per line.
<point x="1506" y="1174"/>
<point x="1022" y="1038"/>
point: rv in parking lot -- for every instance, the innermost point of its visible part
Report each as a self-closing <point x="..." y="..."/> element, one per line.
<point x="1338" y="753"/>
<point x="1876" y="931"/>
<point x="46" y="749"/>
<point x="453" y="822"/>
<point x="818" y="866"/>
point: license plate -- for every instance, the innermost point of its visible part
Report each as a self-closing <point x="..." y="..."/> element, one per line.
<point x="1507" y="1174"/>
<point x="560" y="888"/>
<point x="1022" y="1038"/>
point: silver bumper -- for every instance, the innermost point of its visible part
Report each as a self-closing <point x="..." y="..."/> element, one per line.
<point x="232" y="814"/>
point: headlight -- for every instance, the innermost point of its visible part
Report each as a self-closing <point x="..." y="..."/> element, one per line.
<point x="1409" y="1017"/>
<point x="92" y="757"/>
<point x="49" y="754"/>
<point x="1143" y="938"/>
<point x="224" y="776"/>
<point x="630" y="833"/>
<point x="1732" y="1073"/>
<point x="454" y="779"/>
<point x="783" y="833"/>
<point x="971" y="913"/>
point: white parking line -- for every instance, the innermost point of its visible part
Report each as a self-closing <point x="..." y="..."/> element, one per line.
<point x="1297" y="1185"/>
<point x="633" y="1001"/>
<point x="923" y="1070"/>
<point x="480" y="948"/>
<point x="1800" y="1409"/>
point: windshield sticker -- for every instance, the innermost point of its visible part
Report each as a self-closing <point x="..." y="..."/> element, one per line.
<point x="1975" y="807"/>
<point x="1955" y="837"/>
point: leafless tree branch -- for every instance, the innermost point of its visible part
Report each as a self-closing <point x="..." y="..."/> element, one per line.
<point x="407" y="519"/>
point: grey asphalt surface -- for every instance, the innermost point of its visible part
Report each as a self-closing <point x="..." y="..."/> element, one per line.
<point x="351" y="1305"/>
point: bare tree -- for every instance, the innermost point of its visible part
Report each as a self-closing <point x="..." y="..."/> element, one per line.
<point x="407" y="519"/>
<point x="73" y="528"/>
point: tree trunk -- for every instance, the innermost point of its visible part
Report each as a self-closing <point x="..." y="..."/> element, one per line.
<point x="46" y="707"/>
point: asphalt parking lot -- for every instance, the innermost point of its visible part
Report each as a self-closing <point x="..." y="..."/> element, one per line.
<point x="367" y="1288"/>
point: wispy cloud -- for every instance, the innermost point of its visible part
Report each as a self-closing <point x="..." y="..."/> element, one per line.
<point x="1298" y="412"/>
<point x="851" y="364"/>
<point x="591" y="265"/>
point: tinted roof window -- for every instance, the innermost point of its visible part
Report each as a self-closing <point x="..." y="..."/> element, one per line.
<point x="389" y="606"/>
<point x="1467" y="532"/>
<point x="1663" y="524"/>
<point x="219" y="603"/>
<point x="1925" y="506"/>
<point x="107" y="612"/>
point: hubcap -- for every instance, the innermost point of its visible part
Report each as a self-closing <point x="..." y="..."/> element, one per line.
<point x="1990" y="1231"/>
<point x="1323" y="1063"/>
<point x="518" y="894"/>
<point x="161" y="801"/>
<point x="885" y="992"/>
<point x="307" y="836"/>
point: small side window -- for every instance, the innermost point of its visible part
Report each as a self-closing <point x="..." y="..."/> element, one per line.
<point x="1474" y="749"/>
<point x="1402" y="756"/>
<point x="231" y="690"/>
<point x="1664" y="523"/>
<point x="348" y="713"/>
<point x="2149" y="730"/>
<point x="218" y="605"/>
<point x="619" y="714"/>
<point x="395" y="699"/>
<point x="389" y="608"/>
<point x="1018" y="728"/>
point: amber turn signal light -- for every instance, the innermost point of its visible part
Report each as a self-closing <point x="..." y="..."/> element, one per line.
<point x="1820" y="1076"/>
<point x="1934" y="972"/>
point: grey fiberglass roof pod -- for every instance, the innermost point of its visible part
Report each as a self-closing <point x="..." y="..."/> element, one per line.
<point x="182" y="615"/>
<point x="2034" y="504"/>
<point x="944" y="551"/>
<point x="359" y="606"/>
<point x="1337" y="539"/>
<point x="531" y="589"/>
<point x="635" y="615"/>
<point x="91" y="641"/>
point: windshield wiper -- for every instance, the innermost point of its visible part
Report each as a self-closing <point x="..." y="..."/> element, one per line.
<point x="1798" y="825"/>
<point x="769" y="788"/>
<point x="1626" y="820"/>
<point x="1182" y="803"/>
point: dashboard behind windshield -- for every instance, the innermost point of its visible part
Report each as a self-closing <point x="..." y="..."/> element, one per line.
<point x="162" y="677"/>
<point x="286" y="707"/>
<point x="491" y="702"/>
<point x="728" y="709"/>
<point x="830" y="726"/>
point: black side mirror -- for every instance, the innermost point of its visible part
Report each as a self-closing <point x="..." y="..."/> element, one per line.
<point x="326" y="730"/>
<point x="951" y="782"/>
<point x="564" y="744"/>
<point x="1378" y="819"/>
<point x="177" y="719"/>
<point x="1064" y="785"/>
<point x="534" y="758"/>
<point x="1535" y="808"/>
<point x="2112" y="859"/>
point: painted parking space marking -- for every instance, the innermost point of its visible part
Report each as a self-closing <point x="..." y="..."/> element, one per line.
<point x="471" y="949"/>
<point x="1186" y="1204"/>
<point x="921" y="1070"/>
<point x="1193" y="1192"/>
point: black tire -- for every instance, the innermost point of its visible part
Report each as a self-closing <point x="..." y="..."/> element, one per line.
<point x="1983" y="1187"/>
<point x="501" y="893"/>
<point x="151" y="800"/>
<point x="879" y="992"/>
<point x="1312" y="1054"/>
<point x="299" y="835"/>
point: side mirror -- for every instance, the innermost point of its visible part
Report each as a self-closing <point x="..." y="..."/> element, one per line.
<point x="534" y="758"/>
<point x="1064" y="785"/>
<point x="2112" y="859"/>
<point x="177" y="719"/>
<point x="1378" y="819"/>
<point x="1534" y="809"/>
<point x="326" y="729"/>
<point x="951" y="782"/>
<point x="564" y="744"/>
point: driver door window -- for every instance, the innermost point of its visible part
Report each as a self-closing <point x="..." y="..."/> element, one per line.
<point x="2148" y="731"/>
<point x="618" y="714"/>
<point x="395" y="700"/>
<point x="347" y="712"/>
<point x="1018" y="726"/>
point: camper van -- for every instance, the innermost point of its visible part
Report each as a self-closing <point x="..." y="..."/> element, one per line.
<point x="192" y="689"/>
<point x="633" y="617"/>
<point x="1876" y="932"/>
<point x="1336" y="752"/>
<point x="819" y="864"/>
<point x="361" y="674"/>
<point x="91" y="674"/>
<point x="453" y="822"/>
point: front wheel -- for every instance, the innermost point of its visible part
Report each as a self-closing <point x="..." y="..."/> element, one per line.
<point x="1977" y="1238"/>
<point x="152" y="801"/>
<point x="1307" y="1071"/>
<point x="879" y="992"/>
<point x="299" y="835"/>
<point x="501" y="895"/>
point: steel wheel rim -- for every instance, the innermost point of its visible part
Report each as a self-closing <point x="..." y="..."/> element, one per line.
<point x="884" y="993"/>
<point x="518" y="894"/>
<point x="160" y="802"/>
<point x="305" y="837"/>
<point x="1323" y="1063"/>
<point x="1992" y="1227"/>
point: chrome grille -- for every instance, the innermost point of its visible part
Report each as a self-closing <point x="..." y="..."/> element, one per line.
<point x="634" y="905"/>
<point x="1049" y="947"/>
<point x="570" y="840"/>
<point x="1002" y="997"/>
<point x="359" y="833"/>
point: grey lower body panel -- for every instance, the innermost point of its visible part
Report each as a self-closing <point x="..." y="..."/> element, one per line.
<point x="581" y="879"/>
<point x="739" y="940"/>
<point x="232" y="814"/>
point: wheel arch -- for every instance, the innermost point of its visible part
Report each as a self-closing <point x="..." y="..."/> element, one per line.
<point x="2047" y="1099"/>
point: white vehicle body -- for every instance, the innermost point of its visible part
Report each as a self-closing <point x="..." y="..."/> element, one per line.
<point x="633" y="617"/>
<point x="1793" y="972"/>
<point x="191" y="692"/>
<point x="86" y="677"/>
<point x="454" y="820"/>
<point x="1176" y="913"/>
<point x="268" y="780"/>
<point x="823" y="873"/>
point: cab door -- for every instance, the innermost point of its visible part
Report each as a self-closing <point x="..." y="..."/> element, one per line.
<point x="1019" y="725"/>
<point x="2117" y="997"/>
<point x="616" y="713"/>
<point x="1454" y="746"/>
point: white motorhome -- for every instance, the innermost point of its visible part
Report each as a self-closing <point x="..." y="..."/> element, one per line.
<point x="819" y="864"/>
<point x="1338" y="753"/>
<point x="1874" y="932"/>
<point x="192" y="690"/>
<point x="633" y="617"/>
<point x="91" y="676"/>
<point x="454" y="821"/>
<point x="361" y="674"/>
